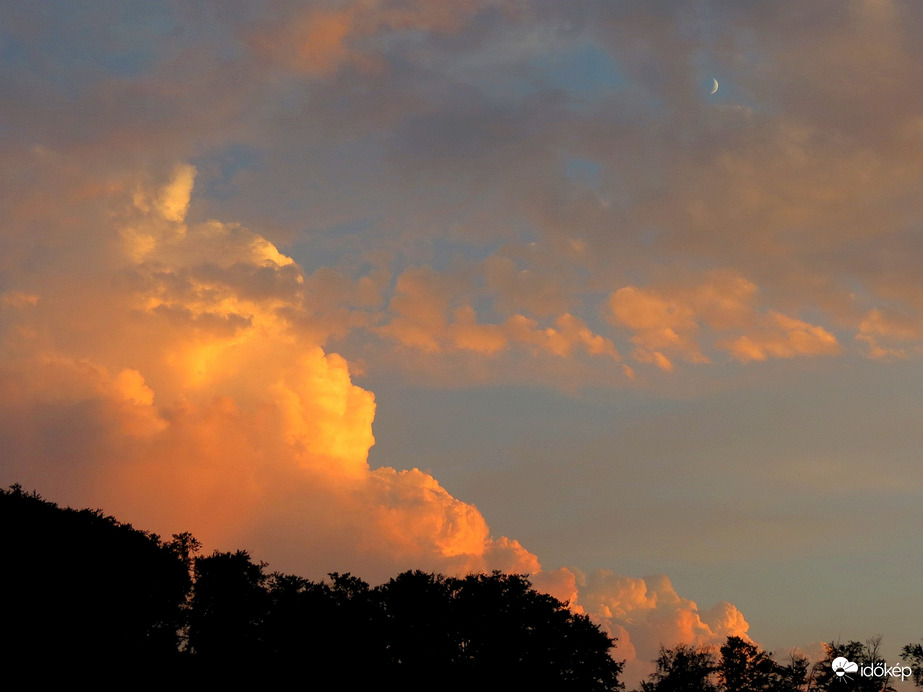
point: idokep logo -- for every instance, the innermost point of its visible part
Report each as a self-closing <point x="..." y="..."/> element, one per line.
<point x="842" y="667"/>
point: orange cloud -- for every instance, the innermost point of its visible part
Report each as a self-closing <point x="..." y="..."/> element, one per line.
<point x="779" y="336"/>
<point x="195" y="403"/>
<point x="647" y="613"/>
<point x="659" y="324"/>
<point x="419" y="305"/>
<point x="890" y="333"/>
<point x="191" y="400"/>
<point x="669" y="322"/>
<point x="320" y="40"/>
<point x="420" y="319"/>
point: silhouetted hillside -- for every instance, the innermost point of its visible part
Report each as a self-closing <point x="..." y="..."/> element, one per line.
<point x="86" y="597"/>
<point x="79" y="584"/>
<point x="85" y="588"/>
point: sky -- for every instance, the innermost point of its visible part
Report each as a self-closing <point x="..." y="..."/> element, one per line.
<point x="374" y="285"/>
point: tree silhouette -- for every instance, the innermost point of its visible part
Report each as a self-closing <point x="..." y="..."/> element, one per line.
<point x="333" y="626"/>
<point x="523" y="636"/>
<point x="80" y="586"/>
<point x="738" y="666"/>
<point x="490" y="632"/>
<point x="424" y="641"/>
<point x="913" y="654"/>
<point x="684" y="668"/>
<point x="745" y="667"/>
<point x="229" y="604"/>
<point x="824" y="677"/>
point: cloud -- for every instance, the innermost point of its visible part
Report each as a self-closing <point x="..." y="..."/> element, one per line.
<point x="658" y="325"/>
<point x="423" y="318"/>
<point x="190" y="399"/>
<point x="195" y="404"/>
<point x="668" y="322"/>
<point x="319" y="40"/>
<point x="647" y="613"/>
<point x="424" y="107"/>
<point x="890" y="333"/>
<point x="538" y="292"/>
<point x="782" y="337"/>
<point x="459" y="192"/>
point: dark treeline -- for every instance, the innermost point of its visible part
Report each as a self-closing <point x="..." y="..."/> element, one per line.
<point x="741" y="666"/>
<point x="82" y="590"/>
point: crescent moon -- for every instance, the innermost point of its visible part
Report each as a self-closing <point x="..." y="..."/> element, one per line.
<point x="714" y="85"/>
